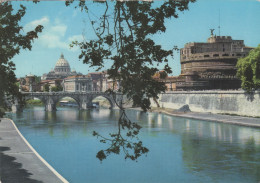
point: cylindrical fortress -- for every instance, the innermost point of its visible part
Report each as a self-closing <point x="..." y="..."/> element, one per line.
<point x="211" y="65"/>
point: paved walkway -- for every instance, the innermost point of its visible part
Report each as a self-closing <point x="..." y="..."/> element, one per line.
<point x="19" y="162"/>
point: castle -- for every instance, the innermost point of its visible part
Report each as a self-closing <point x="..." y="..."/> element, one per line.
<point x="210" y="65"/>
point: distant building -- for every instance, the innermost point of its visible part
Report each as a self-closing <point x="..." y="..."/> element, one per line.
<point x="55" y="83"/>
<point x="29" y="83"/>
<point x="78" y="84"/>
<point x="51" y="83"/>
<point x="61" y="70"/>
<point x="170" y="83"/>
<point x="211" y="65"/>
<point x="43" y="83"/>
<point x="108" y="83"/>
<point x="97" y="80"/>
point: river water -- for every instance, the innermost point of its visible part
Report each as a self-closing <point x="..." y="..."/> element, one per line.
<point x="180" y="150"/>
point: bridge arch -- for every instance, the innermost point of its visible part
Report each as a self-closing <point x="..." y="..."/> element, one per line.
<point x="108" y="98"/>
<point x="43" y="101"/>
<point x="28" y="97"/>
<point x="76" y="99"/>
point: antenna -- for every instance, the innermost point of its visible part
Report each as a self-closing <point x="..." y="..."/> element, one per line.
<point x="219" y="22"/>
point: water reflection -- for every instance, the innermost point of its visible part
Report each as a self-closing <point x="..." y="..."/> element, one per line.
<point x="188" y="125"/>
<point x="213" y="157"/>
<point x="195" y="151"/>
<point x="214" y="148"/>
<point x="99" y="113"/>
<point x="84" y="115"/>
<point x="220" y="131"/>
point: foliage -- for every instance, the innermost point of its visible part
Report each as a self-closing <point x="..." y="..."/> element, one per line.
<point x="37" y="79"/>
<point x="125" y="140"/>
<point x="34" y="102"/>
<point x="57" y="88"/>
<point x="248" y="70"/>
<point x="12" y="40"/>
<point x="46" y="88"/>
<point x="124" y="35"/>
<point x="118" y="142"/>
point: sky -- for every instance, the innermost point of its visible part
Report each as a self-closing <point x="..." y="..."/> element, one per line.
<point x="62" y="25"/>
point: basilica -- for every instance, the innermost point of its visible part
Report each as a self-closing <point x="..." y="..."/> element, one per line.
<point x="62" y="70"/>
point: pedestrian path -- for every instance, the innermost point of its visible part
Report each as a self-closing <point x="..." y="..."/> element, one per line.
<point x="19" y="162"/>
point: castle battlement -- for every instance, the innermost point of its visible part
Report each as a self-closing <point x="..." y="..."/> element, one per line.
<point x="216" y="46"/>
<point x="216" y="39"/>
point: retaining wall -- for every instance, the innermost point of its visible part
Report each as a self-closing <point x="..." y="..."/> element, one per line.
<point x="225" y="102"/>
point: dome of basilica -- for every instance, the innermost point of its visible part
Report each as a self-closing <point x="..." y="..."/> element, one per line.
<point x="62" y="65"/>
<point x="61" y="70"/>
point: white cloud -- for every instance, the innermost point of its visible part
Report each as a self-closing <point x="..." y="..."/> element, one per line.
<point x="53" y="34"/>
<point x="58" y="29"/>
<point x="31" y="26"/>
<point x="76" y="38"/>
<point x="52" y="41"/>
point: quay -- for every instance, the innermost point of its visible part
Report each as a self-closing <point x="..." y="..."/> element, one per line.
<point x="221" y="118"/>
<point x="19" y="162"/>
<point x="235" y="120"/>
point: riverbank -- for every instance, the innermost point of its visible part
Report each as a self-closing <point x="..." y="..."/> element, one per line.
<point x="232" y="102"/>
<point x="230" y="119"/>
<point x="19" y="162"/>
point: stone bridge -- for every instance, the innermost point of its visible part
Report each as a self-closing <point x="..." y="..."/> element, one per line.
<point x="83" y="99"/>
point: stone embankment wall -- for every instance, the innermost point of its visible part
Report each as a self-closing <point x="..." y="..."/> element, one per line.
<point x="224" y="102"/>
